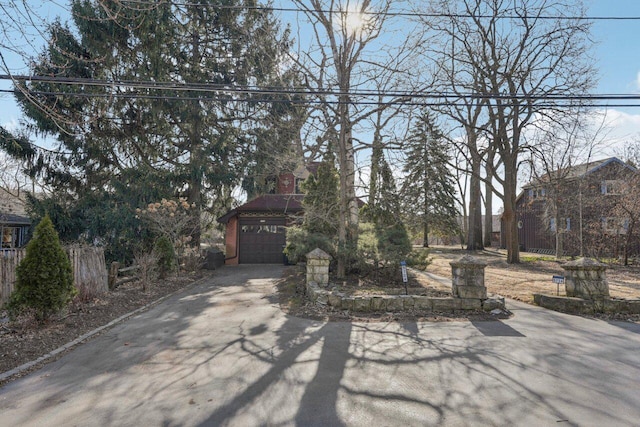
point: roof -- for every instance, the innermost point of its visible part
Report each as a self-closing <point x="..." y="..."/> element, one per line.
<point x="12" y="219"/>
<point x="268" y="203"/>
<point x="577" y="171"/>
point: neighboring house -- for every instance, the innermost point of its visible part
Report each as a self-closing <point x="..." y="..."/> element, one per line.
<point x="256" y="231"/>
<point x="14" y="224"/>
<point x="574" y="204"/>
<point x="14" y="230"/>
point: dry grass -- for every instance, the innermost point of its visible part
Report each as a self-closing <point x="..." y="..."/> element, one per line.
<point x="533" y="275"/>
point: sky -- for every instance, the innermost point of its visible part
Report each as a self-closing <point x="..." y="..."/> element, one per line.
<point x="616" y="54"/>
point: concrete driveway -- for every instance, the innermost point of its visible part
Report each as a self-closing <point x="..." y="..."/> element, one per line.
<point x="223" y="353"/>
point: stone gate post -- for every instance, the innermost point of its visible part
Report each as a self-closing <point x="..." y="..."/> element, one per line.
<point x="468" y="278"/>
<point x="586" y="278"/>
<point x="318" y="267"/>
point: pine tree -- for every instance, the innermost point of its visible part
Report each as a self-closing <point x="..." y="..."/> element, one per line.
<point x="44" y="279"/>
<point x="192" y="143"/>
<point x="428" y="192"/>
<point x="321" y="201"/>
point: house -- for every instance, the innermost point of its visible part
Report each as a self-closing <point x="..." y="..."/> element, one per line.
<point x="256" y="231"/>
<point x="14" y="230"/>
<point x="14" y="224"/>
<point x="571" y="208"/>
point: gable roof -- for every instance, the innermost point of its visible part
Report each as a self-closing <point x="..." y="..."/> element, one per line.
<point x="269" y="204"/>
<point x="578" y="171"/>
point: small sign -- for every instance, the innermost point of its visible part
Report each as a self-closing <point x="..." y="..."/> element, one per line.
<point x="558" y="280"/>
<point x="403" y="266"/>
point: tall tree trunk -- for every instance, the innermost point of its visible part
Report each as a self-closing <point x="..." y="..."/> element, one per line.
<point x="474" y="234"/>
<point x="488" y="201"/>
<point x="559" y="236"/>
<point x="425" y="242"/>
<point x="509" y="215"/>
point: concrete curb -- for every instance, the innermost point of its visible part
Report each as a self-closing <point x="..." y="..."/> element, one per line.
<point x="88" y="335"/>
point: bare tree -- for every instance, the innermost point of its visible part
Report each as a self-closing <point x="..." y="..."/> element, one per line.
<point x="517" y="56"/>
<point x="341" y="61"/>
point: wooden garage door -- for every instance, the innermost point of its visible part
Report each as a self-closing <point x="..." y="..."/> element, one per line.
<point x="262" y="240"/>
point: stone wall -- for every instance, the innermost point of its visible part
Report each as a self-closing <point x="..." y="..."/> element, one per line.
<point x="398" y="303"/>
<point x="587" y="306"/>
<point x="469" y="292"/>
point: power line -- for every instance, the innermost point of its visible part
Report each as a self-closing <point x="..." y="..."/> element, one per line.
<point x="408" y="100"/>
<point x="295" y="91"/>
<point x="398" y="13"/>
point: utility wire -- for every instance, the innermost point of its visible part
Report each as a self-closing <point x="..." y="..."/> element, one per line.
<point x="408" y="100"/>
<point x="297" y="91"/>
<point x="398" y="13"/>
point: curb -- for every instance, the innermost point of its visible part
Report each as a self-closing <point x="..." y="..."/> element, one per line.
<point x="88" y="335"/>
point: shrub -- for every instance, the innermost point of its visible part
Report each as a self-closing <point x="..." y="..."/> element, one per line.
<point x="300" y="242"/>
<point x="419" y="259"/>
<point x="393" y="243"/>
<point x="147" y="263"/>
<point x="166" y="254"/>
<point x="191" y="260"/>
<point x="44" y="279"/>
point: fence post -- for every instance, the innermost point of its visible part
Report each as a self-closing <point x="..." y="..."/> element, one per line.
<point x="113" y="275"/>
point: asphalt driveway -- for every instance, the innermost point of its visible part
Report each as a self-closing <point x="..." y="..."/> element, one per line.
<point x="223" y="353"/>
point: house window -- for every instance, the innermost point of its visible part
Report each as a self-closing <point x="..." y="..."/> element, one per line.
<point x="298" y="189"/>
<point x="565" y="223"/>
<point x="613" y="225"/>
<point x="610" y="187"/>
<point x="536" y="193"/>
<point x="11" y="237"/>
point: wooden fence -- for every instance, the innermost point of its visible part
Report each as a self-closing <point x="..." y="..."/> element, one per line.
<point x="88" y="265"/>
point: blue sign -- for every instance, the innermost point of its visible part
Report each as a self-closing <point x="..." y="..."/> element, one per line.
<point x="558" y="279"/>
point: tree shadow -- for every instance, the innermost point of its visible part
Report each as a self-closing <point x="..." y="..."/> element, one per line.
<point x="272" y="369"/>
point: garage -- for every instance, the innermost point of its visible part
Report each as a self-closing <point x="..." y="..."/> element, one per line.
<point x="261" y="240"/>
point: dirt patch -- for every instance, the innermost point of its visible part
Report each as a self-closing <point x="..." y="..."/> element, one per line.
<point x="23" y="340"/>
<point x="533" y="275"/>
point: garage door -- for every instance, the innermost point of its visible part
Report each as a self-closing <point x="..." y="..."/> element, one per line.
<point x="262" y="240"/>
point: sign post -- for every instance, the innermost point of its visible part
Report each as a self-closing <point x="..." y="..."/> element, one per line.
<point x="403" y="267"/>
<point x="558" y="280"/>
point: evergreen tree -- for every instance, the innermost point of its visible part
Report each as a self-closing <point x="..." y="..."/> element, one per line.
<point x="428" y="192"/>
<point x="321" y="201"/>
<point x="44" y="279"/>
<point x="319" y="228"/>
<point x="156" y="105"/>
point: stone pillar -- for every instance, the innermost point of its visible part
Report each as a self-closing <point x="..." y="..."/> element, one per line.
<point x="586" y="278"/>
<point x="468" y="278"/>
<point x="318" y="267"/>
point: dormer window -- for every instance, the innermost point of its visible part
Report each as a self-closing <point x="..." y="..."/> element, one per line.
<point x="536" y="193"/>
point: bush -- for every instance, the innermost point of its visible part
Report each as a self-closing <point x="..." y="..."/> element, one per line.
<point x="44" y="279"/>
<point x="166" y="254"/>
<point x="147" y="263"/>
<point x="419" y="259"/>
<point x="393" y="243"/>
<point x="300" y="242"/>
